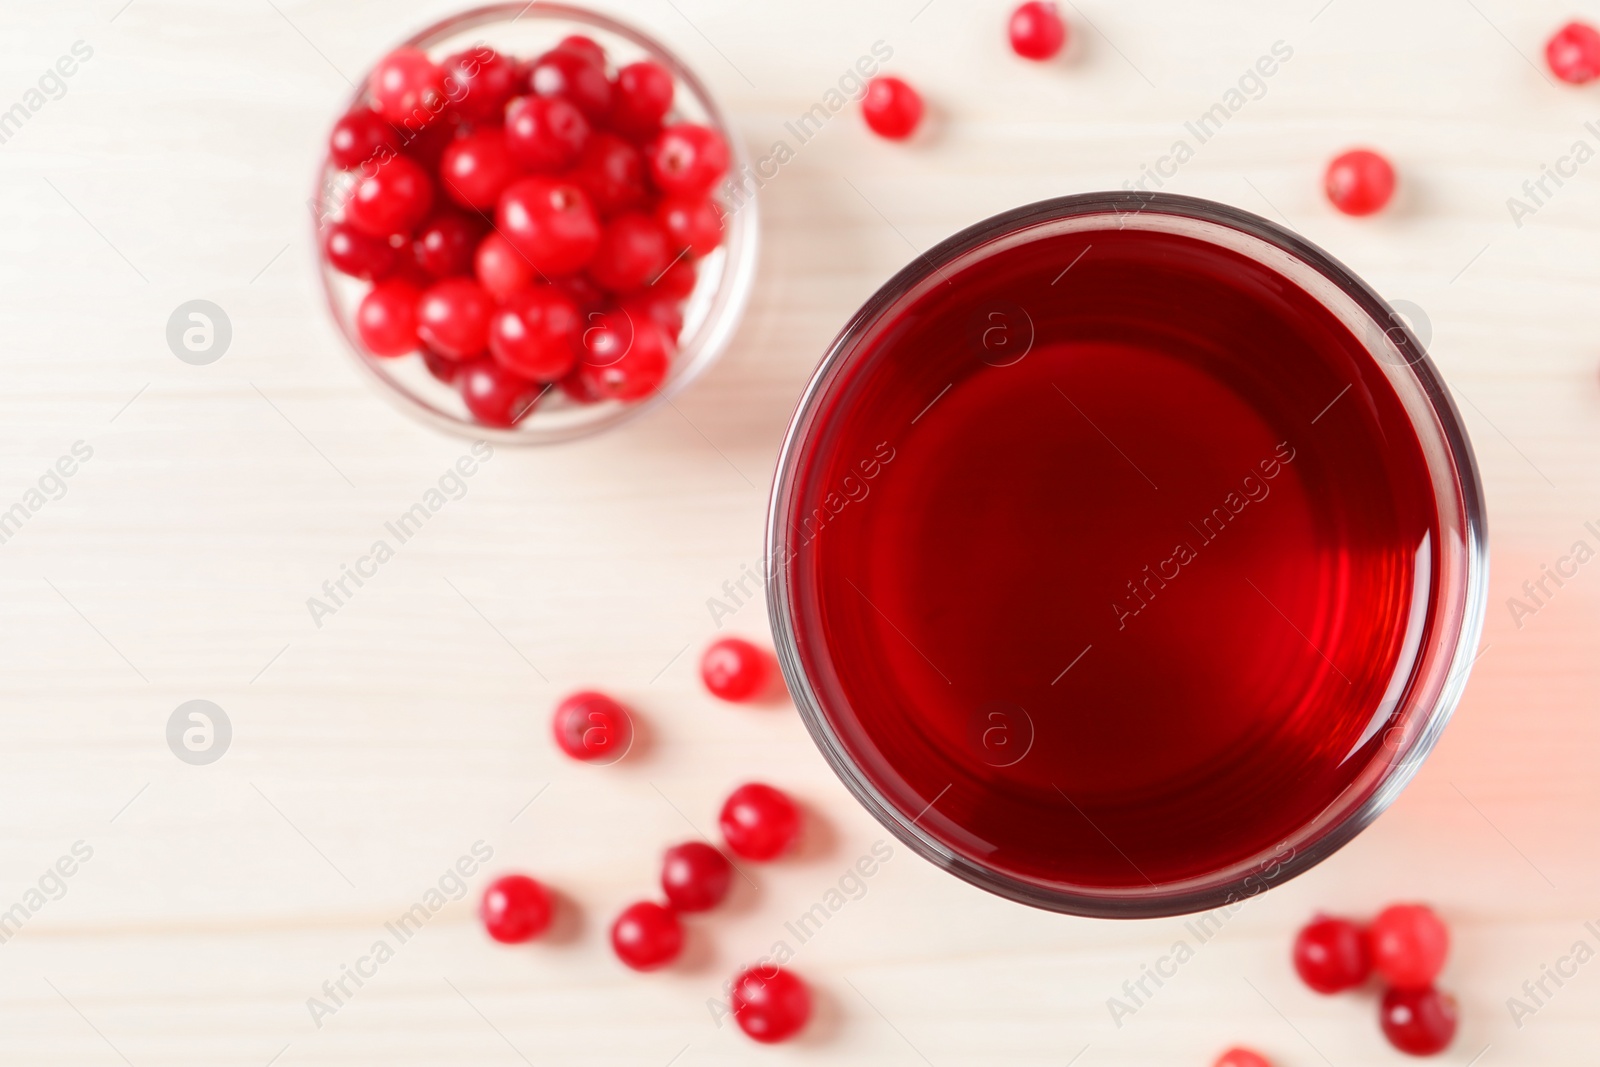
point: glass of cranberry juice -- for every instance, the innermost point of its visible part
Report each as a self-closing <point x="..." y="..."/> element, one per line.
<point x="1127" y="555"/>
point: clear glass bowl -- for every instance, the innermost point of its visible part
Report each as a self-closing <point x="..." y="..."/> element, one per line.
<point x="722" y="287"/>
<point x="1440" y="666"/>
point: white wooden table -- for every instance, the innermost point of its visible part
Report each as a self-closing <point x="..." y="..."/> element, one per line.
<point x="370" y="754"/>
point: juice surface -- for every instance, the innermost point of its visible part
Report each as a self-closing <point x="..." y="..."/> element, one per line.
<point x="1111" y="578"/>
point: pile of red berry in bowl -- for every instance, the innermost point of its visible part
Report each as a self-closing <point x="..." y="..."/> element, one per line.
<point x="525" y="225"/>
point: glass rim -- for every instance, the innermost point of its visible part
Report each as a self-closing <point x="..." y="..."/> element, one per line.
<point x="741" y="241"/>
<point x="1453" y="651"/>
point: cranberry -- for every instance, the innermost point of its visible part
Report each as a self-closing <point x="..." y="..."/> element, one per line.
<point x="1242" y="1057"/>
<point x="407" y="88"/>
<point x="578" y="389"/>
<point x="442" y="368"/>
<point x="1360" y="182"/>
<point x="500" y="268"/>
<point x="1037" y="31"/>
<point x="695" y="876"/>
<point x="392" y="199"/>
<point x="770" y="1004"/>
<point x="759" y="822"/>
<point x="479" y="82"/>
<point x="677" y="280"/>
<point x="551" y="222"/>
<point x="358" y="254"/>
<point x="1409" y="945"/>
<point x="892" y="108"/>
<point x="536" y="334"/>
<point x="545" y="134"/>
<point x="573" y="76"/>
<point x="360" y="135"/>
<point x="387" y="318"/>
<point x="444" y="247"/>
<point x="476" y="169"/>
<point x="688" y="159"/>
<point x="1331" y="955"/>
<point x="453" y="318"/>
<point x="589" y="297"/>
<point x="495" y="396"/>
<point x="641" y="98"/>
<point x="1421" y="1022"/>
<point x="611" y="171"/>
<point x="692" y="222"/>
<point x="428" y="145"/>
<point x="632" y="253"/>
<point x="515" y="909"/>
<point x="647" y="936"/>
<point x="587" y="47"/>
<point x="624" y="359"/>
<point x="592" y="727"/>
<point x="1574" y="53"/>
<point x="664" y="310"/>
<point x="734" y="669"/>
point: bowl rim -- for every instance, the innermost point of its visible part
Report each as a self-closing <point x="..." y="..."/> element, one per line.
<point x="730" y="299"/>
<point x="1187" y="896"/>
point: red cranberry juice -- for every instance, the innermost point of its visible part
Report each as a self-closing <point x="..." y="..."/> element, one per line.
<point x="1111" y="577"/>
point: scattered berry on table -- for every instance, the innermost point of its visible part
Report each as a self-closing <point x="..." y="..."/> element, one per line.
<point x="1360" y="182"/>
<point x="695" y="876"/>
<point x="1331" y="955"/>
<point x="892" y="108"/>
<point x="515" y="909"/>
<point x="1574" y="53"/>
<point x="1242" y="1057"/>
<point x="759" y="822"/>
<point x="1421" y="1022"/>
<point x="1409" y="943"/>
<point x="593" y="727"/>
<point x="734" y="669"/>
<point x="770" y="1004"/>
<point x="647" y="936"/>
<point x="1037" y="31"/>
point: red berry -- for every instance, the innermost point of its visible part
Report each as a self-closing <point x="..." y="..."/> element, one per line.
<point x="734" y="669"/>
<point x="624" y="358"/>
<point x="551" y="222"/>
<point x="494" y="396"/>
<point x="445" y="245"/>
<point x="573" y="76"/>
<point x="677" y="280"/>
<point x="664" y="310"/>
<point x="695" y="876"/>
<point x="592" y="727"/>
<point x="479" y="82"/>
<point x="892" y="108"/>
<point x="647" y="936"/>
<point x="444" y="370"/>
<point x="587" y="47"/>
<point x="1331" y="955"/>
<point x="545" y="135"/>
<point x="515" y="909"/>
<point x="1037" y="31"/>
<point x="632" y="253"/>
<point x="692" y="222"/>
<point x="641" y="98"/>
<point x="387" y="318"/>
<point x="1360" y="182"/>
<point x="1242" y="1057"/>
<point x="759" y="822"/>
<point x="453" y="318"/>
<point x="611" y="171"/>
<point x="589" y="297"/>
<point x="536" y="334"/>
<point x="1421" y="1022"/>
<point x="1574" y="53"/>
<point x="360" y="135"/>
<point x="358" y="254"/>
<point x="688" y="159"/>
<point x="577" y="388"/>
<point x="1409" y="945"/>
<point x="476" y="169"/>
<point x="392" y="199"/>
<point x="500" y="268"/>
<point x="770" y="1004"/>
<point x="407" y="88"/>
